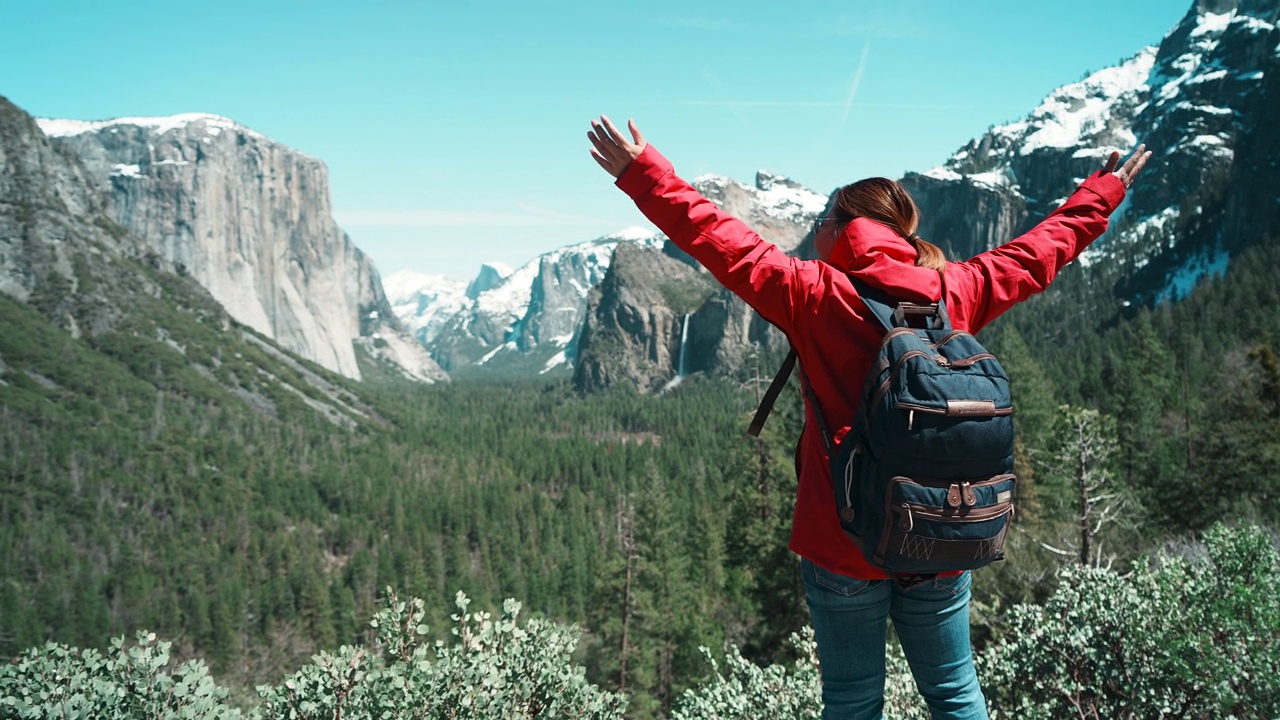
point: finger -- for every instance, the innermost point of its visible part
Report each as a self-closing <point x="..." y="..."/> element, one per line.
<point x="602" y="162"/>
<point x="605" y="148"/>
<point x="614" y="134"/>
<point x="635" y="132"/>
<point x="1133" y="160"/>
<point x="1112" y="161"/>
<point x="1141" y="163"/>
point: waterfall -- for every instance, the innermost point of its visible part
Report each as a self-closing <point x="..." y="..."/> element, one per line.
<point x="681" y="368"/>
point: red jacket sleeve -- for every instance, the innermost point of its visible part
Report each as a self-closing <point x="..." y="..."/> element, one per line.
<point x="980" y="289"/>
<point x="746" y="264"/>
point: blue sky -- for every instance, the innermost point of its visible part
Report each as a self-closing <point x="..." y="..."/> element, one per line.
<point x="455" y="133"/>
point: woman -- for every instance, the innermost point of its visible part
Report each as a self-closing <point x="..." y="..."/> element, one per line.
<point x="869" y="235"/>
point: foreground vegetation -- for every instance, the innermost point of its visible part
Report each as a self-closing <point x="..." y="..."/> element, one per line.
<point x="1178" y="638"/>
<point x="157" y="474"/>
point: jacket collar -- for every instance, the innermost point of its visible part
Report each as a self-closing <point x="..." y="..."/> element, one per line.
<point x="878" y="256"/>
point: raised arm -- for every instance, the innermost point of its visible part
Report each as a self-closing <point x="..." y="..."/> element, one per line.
<point x="991" y="283"/>
<point x="753" y="269"/>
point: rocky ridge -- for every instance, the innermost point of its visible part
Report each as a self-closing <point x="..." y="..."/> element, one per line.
<point x="1200" y="97"/>
<point x="250" y="220"/>
<point x="63" y="256"/>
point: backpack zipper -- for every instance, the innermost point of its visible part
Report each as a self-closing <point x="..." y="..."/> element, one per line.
<point x="908" y="512"/>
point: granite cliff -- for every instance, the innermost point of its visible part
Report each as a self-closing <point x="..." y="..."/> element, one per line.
<point x="250" y="220"/>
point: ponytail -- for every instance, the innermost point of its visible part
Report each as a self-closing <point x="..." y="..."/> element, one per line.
<point x="927" y="254"/>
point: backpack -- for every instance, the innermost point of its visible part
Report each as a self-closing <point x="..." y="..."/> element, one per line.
<point x="924" y="478"/>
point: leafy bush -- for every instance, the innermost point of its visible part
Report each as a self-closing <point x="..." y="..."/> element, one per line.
<point x="746" y="691"/>
<point x="493" y="669"/>
<point x="1177" y="638"/>
<point x="56" y="681"/>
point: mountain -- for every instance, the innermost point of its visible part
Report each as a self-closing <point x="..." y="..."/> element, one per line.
<point x="121" y="304"/>
<point x="651" y="323"/>
<point x="521" y="321"/>
<point x="1205" y="100"/>
<point x="250" y="220"/>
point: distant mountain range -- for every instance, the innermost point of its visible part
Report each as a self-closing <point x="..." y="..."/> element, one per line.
<point x="249" y="220"/>
<point x="529" y="320"/>
<point x="1204" y="100"/>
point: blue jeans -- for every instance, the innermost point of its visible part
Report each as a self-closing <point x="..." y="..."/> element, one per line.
<point x="932" y="622"/>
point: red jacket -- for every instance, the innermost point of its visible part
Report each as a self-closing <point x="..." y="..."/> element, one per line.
<point x="831" y="330"/>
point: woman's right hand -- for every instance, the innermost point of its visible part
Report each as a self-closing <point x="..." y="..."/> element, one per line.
<point x="612" y="150"/>
<point x="1131" y="167"/>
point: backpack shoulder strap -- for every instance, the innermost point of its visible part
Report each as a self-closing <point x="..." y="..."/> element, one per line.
<point x="771" y="395"/>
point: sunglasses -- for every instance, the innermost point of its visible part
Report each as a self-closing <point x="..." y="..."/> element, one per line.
<point x="821" y="220"/>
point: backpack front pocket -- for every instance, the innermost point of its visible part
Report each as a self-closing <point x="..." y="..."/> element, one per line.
<point x="932" y="525"/>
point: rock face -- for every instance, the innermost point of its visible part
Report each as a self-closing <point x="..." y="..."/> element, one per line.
<point x="53" y="217"/>
<point x="1205" y="101"/>
<point x="636" y="320"/>
<point x="63" y="256"/>
<point x="250" y="220"/>
<point x="507" y="322"/>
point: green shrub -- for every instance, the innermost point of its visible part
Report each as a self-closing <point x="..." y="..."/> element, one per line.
<point x="1176" y="638"/>
<point x="56" y="681"/>
<point x="493" y="668"/>
<point x="746" y="691"/>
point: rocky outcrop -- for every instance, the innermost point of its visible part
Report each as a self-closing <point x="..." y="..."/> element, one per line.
<point x="636" y="318"/>
<point x="63" y="255"/>
<point x="651" y="297"/>
<point x="250" y="220"/>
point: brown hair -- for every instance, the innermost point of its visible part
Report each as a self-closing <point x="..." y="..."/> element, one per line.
<point x="888" y="203"/>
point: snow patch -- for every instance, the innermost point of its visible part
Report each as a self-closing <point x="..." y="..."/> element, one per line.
<point x="1212" y="23"/>
<point x="489" y="355"/>
<point x="129" y="171"/>
<point x="633" y="233"/>
<point x="1075" y="112"/>
<point x="213" y="124"/>
<point x="560" y="358"/>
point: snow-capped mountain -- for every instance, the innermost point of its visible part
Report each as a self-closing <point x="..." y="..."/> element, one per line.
<point x="424" y="302"/>
<point x="1200" y="97"/>
<point x="778" y="208"/>
<point x="510" y="321"/>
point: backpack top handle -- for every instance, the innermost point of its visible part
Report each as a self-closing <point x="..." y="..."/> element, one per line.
<point x="893" y="313"/>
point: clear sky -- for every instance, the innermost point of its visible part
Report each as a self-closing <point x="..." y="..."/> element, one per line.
<point x="455" y="132"/>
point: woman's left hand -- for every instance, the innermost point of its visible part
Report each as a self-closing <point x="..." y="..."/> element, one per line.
<point x="612" y="151"/>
